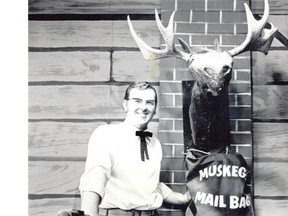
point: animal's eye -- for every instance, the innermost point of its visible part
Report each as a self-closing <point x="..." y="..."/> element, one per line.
<point x="225" y="69"/>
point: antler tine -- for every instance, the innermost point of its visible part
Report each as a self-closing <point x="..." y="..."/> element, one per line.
<point x="258" y="38"/>
<point x="150" y="53"/>
<point x="167" y="33"/>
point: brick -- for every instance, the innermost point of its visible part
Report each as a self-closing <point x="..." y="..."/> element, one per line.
<point x="186" y="5"/>
<point x="206" y="16"/>
<point x="244" y="125"/>
<point x="182" y="16"/>
<point x="243" y="76"/>
<point x="180" y="63"/>
<point x="184" y="75"/>
<point x="170" y="87"/>
<point x="220" y="5"/>
<point x="241" y="138"/>
<point x="168" y="5"/>
<point x="204" y="39"/>
<point x="166" y="176"/>
<point x="179" y="177"/>
<point x="240" y="4"/>
<point x="240" y="112"/>
<point x="170" y="113"/>
<point x="183" y="37"/>
<point x="172" y="164"/>
<point x="233" y="17"/>
<point x="243" y="99"/>
<point x="167" y="150"/>
<point x="178" y="124"/>
<point x="165" y="100"/>
<point x="165" y="124"/>
<point x="178" y="100"/>
<point x="233" y="39"/>
<point x="190" y="28"/>
<point x="165" y="16"/>
<point x="220" y="28"/>
<point x="241" y="29"/>
<point x="245" y="151"/>
<point x="178" y="150"/>
<point x="241" y="63"/>
<point x="167" y="63"/>
<point x="166" y="75"/>
<point x="170" y="137"/>
<point x="240" y="88"/>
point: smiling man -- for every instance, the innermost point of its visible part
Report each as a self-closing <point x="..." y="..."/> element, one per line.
<point x="123" y="163"/>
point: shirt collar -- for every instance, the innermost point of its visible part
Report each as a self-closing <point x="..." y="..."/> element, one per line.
<point x="131" y="129"/>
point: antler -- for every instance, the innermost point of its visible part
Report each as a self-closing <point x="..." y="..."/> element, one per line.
<point x="258" y="38"/>
<point x="150" y="53"/>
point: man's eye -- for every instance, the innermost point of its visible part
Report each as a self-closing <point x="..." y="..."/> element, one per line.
<point x="150" y="103"/>
<point x="137" y="101"/>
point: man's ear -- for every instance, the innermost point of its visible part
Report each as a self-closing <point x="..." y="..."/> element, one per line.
<point x="125" y="106"/>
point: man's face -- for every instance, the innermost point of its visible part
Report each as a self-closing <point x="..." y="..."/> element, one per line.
<point x="140" y="107"/>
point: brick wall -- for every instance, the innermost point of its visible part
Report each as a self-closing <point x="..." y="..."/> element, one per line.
<point x="199" y="23"/>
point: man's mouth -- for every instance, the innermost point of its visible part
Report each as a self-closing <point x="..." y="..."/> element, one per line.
<point x="142" y="114"/>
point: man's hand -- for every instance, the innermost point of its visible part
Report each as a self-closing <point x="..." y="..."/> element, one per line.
<point x="71" y="212"/>
<point x="178" y="198"/>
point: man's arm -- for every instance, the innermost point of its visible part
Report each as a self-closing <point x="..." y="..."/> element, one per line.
<point x="90" y="203"/>
<point x="173" y="197"/>
<point x="178" y="198"/>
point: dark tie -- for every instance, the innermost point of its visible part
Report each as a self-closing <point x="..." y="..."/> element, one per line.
<point x="143" y="146"/>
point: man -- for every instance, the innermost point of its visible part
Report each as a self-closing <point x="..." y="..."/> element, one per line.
<point x="123" y="163"/>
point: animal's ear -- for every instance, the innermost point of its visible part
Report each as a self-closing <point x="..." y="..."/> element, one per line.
<point x="217" y="46"/>
<point x="184" y="45"/>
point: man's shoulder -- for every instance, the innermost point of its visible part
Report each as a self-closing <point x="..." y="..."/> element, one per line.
<point x="108" y="127"/>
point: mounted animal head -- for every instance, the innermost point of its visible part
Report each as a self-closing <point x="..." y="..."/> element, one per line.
<point x="211" y="68"/>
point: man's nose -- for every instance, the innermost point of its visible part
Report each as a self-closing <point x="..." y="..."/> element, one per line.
<point x="143" y="105"/>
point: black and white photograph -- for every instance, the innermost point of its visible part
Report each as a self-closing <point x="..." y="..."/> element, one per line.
<point x="157" y="107"/>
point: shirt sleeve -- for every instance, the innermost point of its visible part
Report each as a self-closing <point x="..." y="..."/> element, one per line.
<point x="98" y="163"/>
<point x="164" y="190"/>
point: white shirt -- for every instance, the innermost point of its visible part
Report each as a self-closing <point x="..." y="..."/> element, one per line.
<point x="115" y="171"/>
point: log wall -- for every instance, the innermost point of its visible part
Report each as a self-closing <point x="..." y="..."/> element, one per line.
<point x="78" y="57"/>
<point x="270" y="122"/>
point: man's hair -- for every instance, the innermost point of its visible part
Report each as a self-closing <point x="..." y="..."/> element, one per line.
<point x="140" y="86"/>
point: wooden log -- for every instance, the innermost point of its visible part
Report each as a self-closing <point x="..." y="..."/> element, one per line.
<point x="77" y="102"/>
<point x="269" y="140"/>
<point x="69" y="66"/>
<point x="268" y="207"/>
<point x="64" y="139"/>
<point x="88" y="102"/>
<point x="271" y="68"/>
<point x="55" y="34"/>
<point x="50" y="206"/>
<point x="60" y="139"/>
<point x="90" y="7"/>
<point x="270" y="179"/>
<point x="54" y="177"/>
<point x="270" y="102"/>
<point x="69" y="33"/>
<point x="276" y="6"/>
<point x="91" y="67"/>
<point x="139" y="69"/>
